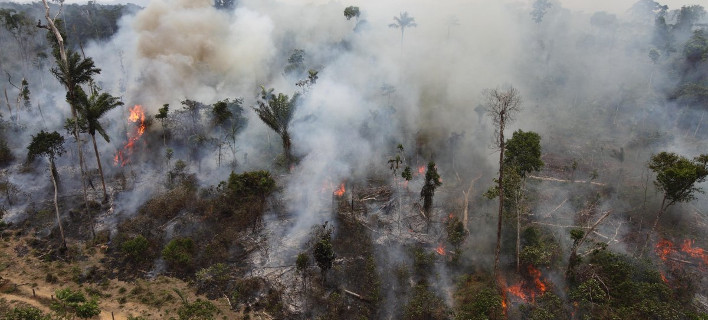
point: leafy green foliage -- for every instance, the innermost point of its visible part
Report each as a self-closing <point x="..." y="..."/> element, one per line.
<point x="46" y="144"/>
<point x="197" y="310"/>
<point x="135" y="249"/>
<point x="422" y="261"/>
<point x="677" y="176"/>
<point x="277" y="112"/>
<point x="92" y="108"/>
<point x="302" y="262"/>
<point x="432" y="181"/>
<point x="323" y="251"/>
<point x="351" y="12"/>
<point x="424" y="304"/>
<point x="476" y="299"/>
<point x="26" y="313"/>
<point x="538" y="248"/>
<point x="179" y="252"/>
<point x="72" y="303"/>
<point x="523" y="152"/>
<point x="616" y="286"/>
<point x="250" y="185"/>
<point x="548" y="307"/>
<point x="455" y="232"/>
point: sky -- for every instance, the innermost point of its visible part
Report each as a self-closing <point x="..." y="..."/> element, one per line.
<point x="612" y="6"/>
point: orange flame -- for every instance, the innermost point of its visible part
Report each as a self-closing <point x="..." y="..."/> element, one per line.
<point x="137" y="115"/>
<point x="663" y="277"/>
<point x="664" y="248"/>
<point x="421" y="170"/>
<point x="525" y="290"/>
<point x="699" y="253"/>
<point x="518" y="292"/>
<point x="540" y="286"/>
<point x="440" y="249"/>
<point x="340" y="191"/>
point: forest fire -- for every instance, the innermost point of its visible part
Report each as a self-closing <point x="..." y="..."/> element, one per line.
<point x="440" y="249"/>
<point x="340" y="191"/>
<point x="698" y="253"/>
<point x="137" y="116"/>
<point x="664" y="248"/>
<point x="540" y="286"/>
<point x="528" y="290"/>
<point x="421" y="170"/>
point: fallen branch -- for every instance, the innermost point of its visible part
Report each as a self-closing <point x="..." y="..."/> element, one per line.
<point x="561" y="180"/>
<point x="554" y="210"/>
<point x="358" y="296"/>
<point x="682" y="261"/>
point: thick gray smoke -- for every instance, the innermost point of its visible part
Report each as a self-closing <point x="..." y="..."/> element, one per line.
<point x="587" y="88"/>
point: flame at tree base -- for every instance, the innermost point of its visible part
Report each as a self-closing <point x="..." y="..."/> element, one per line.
<point x="137" y="116"/>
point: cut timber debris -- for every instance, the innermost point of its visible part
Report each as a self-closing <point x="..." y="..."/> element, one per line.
<point x="561" y="180"/>
<point x="356" y="295"/>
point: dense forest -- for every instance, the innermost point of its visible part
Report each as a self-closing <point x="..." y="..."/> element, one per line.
<point x="417" y="159"/>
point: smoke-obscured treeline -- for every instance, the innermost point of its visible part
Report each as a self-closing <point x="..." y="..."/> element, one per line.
<point x="344" y="160"/>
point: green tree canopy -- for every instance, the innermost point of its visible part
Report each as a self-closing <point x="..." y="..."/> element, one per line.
<point x="46" y="144"/>
<point x="677" y="176"/>
<point x="523" y="152"/>
<point x="351" y="12"/>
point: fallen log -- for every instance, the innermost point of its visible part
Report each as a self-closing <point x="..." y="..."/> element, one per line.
<point x="561" y="180"/>
<point x="356" y="295"/>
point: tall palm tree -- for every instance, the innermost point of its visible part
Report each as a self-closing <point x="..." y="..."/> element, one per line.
<point x="72" y="71"/>
<point x="277" y="112"/>
<point x="402" y="22"/>
<point x="92" y="109"/>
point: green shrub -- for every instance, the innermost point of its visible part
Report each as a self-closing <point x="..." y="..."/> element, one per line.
<point x="424" y="304"/>
<point x="199" y="309"/>
<point x="476" y="300"/>
<point x="135" y="249"/>
<point x="27" y="313"/>
<point x="179" y="252"/>
<point x="70" y="303"/>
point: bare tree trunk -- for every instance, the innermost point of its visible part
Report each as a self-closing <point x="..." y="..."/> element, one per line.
<point x="56" y="203"/>
<point x="465" y="211"/>
<point x="698" y="127"/>
<point x="100" y="168"/>
<point x="656" y="222"/>
<point x="7" y="101"/>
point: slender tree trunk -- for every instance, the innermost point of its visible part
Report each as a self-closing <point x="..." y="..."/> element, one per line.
<point x="287" y="148"/>
<point x="100" y="168"/>
<point x="56" y="203"/>
<point x="500" y="186"/>
<point x="653" y="227"/>
<point x="518" y="232"/>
